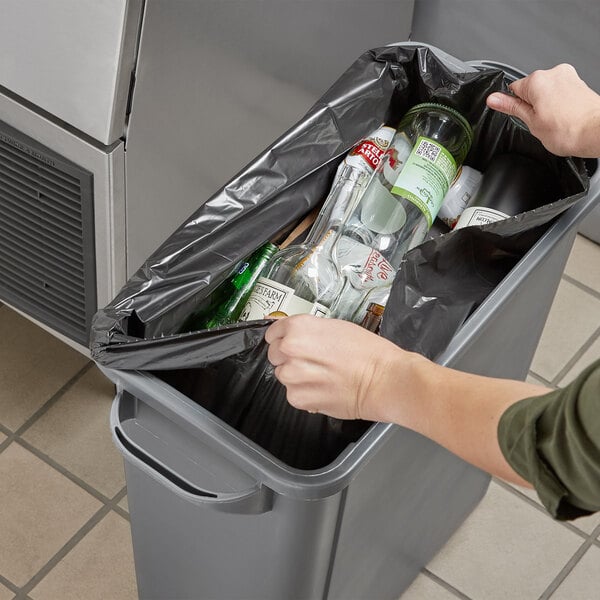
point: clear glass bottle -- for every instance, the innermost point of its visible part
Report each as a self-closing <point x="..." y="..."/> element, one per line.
<point x="366" y="156"/>
<point x="303" y="278"/>
<point x="338" y="273"/>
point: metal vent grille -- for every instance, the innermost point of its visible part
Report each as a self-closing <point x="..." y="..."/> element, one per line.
<point x="47" y="262"/>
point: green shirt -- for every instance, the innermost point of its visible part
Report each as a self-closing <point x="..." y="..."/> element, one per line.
<point x="553" y="441"/>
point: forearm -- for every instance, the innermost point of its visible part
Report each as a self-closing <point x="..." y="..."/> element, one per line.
<point x="588" y="144"/>
<point x="376" y="380"/>
<point x="459" y="411"/>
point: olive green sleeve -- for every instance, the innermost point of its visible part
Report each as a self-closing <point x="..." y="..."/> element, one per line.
<point x="553" y="441"/>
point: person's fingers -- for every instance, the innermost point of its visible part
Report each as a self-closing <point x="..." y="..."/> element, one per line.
<point x="276" y="330"/>
<point x="523" y="88"/>
<point x="510" y="105"/>
<point x="274" y="353"/>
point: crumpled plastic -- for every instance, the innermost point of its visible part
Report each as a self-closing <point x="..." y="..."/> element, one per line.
<point x="440" y="283"/>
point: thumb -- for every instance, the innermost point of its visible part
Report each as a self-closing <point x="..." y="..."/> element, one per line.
<point x="511" y="105"/>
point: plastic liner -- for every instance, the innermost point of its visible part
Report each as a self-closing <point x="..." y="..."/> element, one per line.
<point x="439" y="285"/>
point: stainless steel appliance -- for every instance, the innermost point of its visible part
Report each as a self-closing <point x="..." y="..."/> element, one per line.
<point x="118" y="118"/>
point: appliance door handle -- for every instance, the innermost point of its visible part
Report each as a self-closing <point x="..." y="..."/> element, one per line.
<point x="256" y="499"/>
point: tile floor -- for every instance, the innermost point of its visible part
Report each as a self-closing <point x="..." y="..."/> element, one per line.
<point x="64" y="530"/>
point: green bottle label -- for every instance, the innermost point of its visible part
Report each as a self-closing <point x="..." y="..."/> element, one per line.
<point x="426" y="177"/>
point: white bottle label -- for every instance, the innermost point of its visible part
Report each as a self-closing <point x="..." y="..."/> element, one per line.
<point x="461" y="191"/>
<point x="269" y="296"/>
<point x="477" y="215"/>
<point x="365" y="267"/>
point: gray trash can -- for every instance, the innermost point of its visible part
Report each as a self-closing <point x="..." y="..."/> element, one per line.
<point x="214" y="515"/>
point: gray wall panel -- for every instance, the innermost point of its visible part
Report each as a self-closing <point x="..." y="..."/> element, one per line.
<point x="218" y="81"/>
<point x="529" y="34"/>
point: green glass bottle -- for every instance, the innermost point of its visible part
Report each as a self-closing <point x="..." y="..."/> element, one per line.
<point x="235" y="291"/>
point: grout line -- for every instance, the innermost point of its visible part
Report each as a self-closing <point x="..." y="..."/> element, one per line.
<point x="122" y="513"/>
<point x="541" y="379"/>
<point x="540" y="507"/>
<point x="447" y="586"/>
<point x="596" y="535"/>
<point x="70" y="545"/>
<point x="581" y="286"/>
<point x="75" y="539"/>
<point x="114" y="503"/>
<point x="53" y="399"/>
<point x="564" y="572"/>
<point x="575" y="358"/>
<point x="5" y="444"/>
<point x="15" y="435"/>
<point x="63" y="471"/>
<point x="118" y="496"/>
<point x="9" y="584"/>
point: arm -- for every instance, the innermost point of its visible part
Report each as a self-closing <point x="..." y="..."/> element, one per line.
<point x="339" y="369"/>
<point x="559" y="109"/>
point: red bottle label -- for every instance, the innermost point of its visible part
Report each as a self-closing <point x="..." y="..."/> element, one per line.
<point x="370" y="152"/>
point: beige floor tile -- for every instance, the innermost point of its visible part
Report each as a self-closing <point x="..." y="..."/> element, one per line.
<point x="424" y="588"/>
<point x="584" y="263"/>
<point x="99" y="567"/>
<point x="124" y="504"/>
<point x="5" y="593"/>
<point x="585" y="524"/>
<point x="505" y="549"/>
<point x="574" y="317"/>
<point x="533" y="379"/>
<point x="33" y="366"/>
<point x="2" y="437"/>
<point x="75" y="432"/>
<point x="590" y="355"/>
<point x="530" y="493"/>
<point x="40" y="511"/>
<point x="583" y="582"/>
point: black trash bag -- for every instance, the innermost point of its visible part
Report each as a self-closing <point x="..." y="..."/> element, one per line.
<point x="438" y="286"/>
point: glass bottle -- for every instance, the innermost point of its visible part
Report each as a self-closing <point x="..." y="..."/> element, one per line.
<point x="372" y="319"/>
<point x="234" y="292"/>
<point x="348" y="183"/>
<point x="512" y="184"/>
<point x="462" y="189"/>
<point x="365" y="157"/>
<point x="339" y="273"/>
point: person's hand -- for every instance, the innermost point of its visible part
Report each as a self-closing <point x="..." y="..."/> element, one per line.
<point x="559" y="109"/>
<point x="333" y="367"/>
<point x="342" y="370"/>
